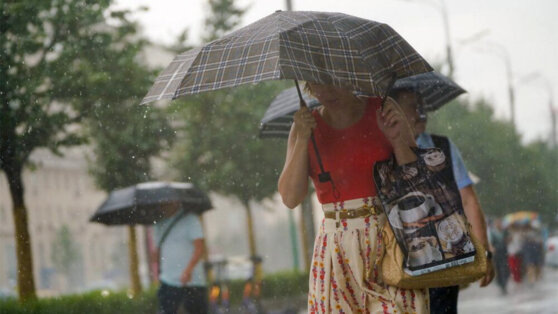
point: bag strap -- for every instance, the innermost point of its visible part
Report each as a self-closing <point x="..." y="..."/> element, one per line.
<point x="443" y="143"/>
<point x="167" y="231"/>
<point x="164" y="236"/>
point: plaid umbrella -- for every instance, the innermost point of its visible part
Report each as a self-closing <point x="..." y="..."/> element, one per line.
<point x="141" y="203"/>
<point x="326" y="48"/>
<point x="435" y="89"/>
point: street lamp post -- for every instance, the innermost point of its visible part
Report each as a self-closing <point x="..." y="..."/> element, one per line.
<point x="553" y="110"/>
<point x="289" y="5"/>
<point x="449" y="54"/>
<point x="502" y="53"/>
<point x="440" y="5"/>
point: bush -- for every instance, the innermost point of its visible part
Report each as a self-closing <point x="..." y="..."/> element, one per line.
<point x="92" y="302"/>
<point x="283" y="284"/>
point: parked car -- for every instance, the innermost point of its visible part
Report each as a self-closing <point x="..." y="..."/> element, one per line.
<point x="552" y="252"/>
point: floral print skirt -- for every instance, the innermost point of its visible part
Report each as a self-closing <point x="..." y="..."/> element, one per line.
<point x="345" y="272"/>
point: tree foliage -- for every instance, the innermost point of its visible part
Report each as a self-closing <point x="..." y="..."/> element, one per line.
<point x="225" y="17"/>
<point x="514" y="176"/>
<point x="59" y="60"/>
<point x="221" y="150"/>
<point x="125" y="138"/>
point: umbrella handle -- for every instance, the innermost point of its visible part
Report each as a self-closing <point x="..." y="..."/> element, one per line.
<point x="302" y="102"/>
<point x="388" y="89"/>
<point x="323" y="176"/>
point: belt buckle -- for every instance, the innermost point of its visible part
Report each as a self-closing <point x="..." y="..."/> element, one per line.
<point x="371" y="209"/>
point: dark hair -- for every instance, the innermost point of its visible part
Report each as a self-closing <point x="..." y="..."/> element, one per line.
<point x="395" y="92"/>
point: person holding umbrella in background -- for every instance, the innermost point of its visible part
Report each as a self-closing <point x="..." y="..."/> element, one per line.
<point x="180" y="249"/>
<point x="430" y="91"/>
<point x="174" y="209"/>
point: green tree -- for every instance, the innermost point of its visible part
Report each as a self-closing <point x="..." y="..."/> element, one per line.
<point x="514" y="176"/>
<point x="126" y="136"/>
<point x="225" y="16"/>
<point x="221" y="150"/>
<point x="54" y="70"/>
<point x="65" y="253"/>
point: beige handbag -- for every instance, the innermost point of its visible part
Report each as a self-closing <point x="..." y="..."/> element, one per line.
<point x="393" y="274"/>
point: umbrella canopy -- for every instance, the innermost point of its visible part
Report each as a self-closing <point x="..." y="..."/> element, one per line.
<point x="434" y="88"/>
<point x="521" y="218"/>
<point x="278" y="118"/>
<point x="142" y="203"/>
<point x="326" y="48"/>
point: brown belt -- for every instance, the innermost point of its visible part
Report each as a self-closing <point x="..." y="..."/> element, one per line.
<point x="352" y="213"/>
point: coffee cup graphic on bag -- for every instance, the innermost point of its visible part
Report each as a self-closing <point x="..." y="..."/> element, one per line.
<point x="423" y="251"/>
<point x="452" y="234"/>
<point x="435" y="160"/>
<point x="415" y="206"/>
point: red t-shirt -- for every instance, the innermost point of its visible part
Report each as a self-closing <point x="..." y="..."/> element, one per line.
<point x="348" y="155"/>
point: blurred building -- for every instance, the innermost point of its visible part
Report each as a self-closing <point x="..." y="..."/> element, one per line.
<point x="59" y="192"/>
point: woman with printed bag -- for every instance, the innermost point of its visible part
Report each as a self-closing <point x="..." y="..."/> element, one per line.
<point x="351" y="134"/>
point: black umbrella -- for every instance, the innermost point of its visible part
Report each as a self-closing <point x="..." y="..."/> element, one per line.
<point x="142" y="203"/>
<point x="434" y="88"/>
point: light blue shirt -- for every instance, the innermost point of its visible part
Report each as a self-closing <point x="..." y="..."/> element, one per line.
<point x="177" y="249"/>
<point x="460" y="173"/>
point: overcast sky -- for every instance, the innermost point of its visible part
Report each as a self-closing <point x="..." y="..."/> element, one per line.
<point x="526" y="29"/>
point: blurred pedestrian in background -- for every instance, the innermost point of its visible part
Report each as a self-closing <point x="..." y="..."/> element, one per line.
<point x="179" y="252"/>
<point x="515" y="244"/>
<point x="498" y="239"/>
<point x="532" y="253"/>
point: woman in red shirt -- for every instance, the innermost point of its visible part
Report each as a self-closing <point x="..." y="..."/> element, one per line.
<point x="351" y="134"/>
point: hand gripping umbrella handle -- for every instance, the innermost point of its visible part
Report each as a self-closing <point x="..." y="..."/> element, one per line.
<point x="323" y="176"/>
<point x="389" y="87"/>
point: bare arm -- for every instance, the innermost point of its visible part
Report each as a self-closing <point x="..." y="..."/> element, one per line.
<point x="293" y="182"/>
<point x="475" y="216"/>
<point x="196" y="257"/>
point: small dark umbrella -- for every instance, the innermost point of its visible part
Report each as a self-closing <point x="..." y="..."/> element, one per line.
<point x="435" y="89"/>
<point x="142" y="203"/>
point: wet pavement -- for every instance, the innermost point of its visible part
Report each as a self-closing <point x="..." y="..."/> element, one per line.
<point x="540" y="298"/>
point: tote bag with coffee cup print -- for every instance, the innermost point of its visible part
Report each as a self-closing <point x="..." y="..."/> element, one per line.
<point x="424" y="210"/>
